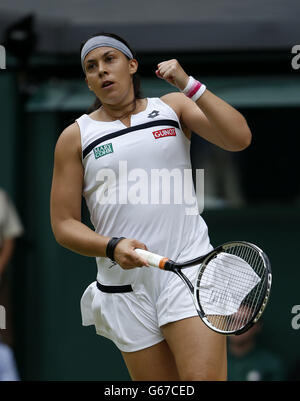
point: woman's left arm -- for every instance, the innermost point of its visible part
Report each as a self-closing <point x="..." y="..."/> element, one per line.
<point x="210" y="116"/>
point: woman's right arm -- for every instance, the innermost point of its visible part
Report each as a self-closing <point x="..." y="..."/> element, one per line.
<point x="66" y="197"/>
<point x="65" y="206"/>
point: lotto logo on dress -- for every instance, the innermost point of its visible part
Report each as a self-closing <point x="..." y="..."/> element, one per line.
<point x="164" y="132"/>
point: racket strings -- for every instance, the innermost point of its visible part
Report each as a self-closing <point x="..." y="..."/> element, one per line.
<point x="230" y="287"/>
<point x="219" y="281"/>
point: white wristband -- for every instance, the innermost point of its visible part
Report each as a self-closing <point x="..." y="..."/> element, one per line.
<point x="194" y="89"/>
<point x="189" y="85"/>
<point x="199" y="93"/>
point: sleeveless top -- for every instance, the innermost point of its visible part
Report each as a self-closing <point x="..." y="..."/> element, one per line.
<point x="138" y="184"/>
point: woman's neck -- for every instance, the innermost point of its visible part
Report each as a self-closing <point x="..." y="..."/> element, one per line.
<point x="119" y="111"/>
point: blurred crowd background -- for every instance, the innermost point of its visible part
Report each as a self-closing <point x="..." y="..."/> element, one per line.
<point x="243" y="52"/>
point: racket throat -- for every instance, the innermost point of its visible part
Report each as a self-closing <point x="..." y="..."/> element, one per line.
<point x="190" y="288"/>
<point x="184" y="279"/>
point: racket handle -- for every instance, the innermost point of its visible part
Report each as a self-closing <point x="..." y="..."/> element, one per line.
<point x="152" y="258"/>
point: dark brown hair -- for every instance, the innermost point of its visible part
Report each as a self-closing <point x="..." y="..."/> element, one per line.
<point x="135" y="79"/>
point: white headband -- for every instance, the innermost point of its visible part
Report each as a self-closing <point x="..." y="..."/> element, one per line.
<point x="103" y="41"/>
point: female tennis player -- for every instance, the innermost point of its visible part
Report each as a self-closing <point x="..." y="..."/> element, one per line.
<point x="109" y="157"/>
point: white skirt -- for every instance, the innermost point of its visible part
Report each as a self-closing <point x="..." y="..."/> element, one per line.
<point x="133" y="320"/>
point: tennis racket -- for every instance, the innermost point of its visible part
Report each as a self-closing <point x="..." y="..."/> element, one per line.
<point x="232" y="286"/>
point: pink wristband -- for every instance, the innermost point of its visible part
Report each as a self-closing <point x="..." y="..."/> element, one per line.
<point x="196" y="86"/>
<point x="194" y="89"/>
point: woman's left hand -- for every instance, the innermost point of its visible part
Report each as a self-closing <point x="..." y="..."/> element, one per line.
<point x="172" y="72"/>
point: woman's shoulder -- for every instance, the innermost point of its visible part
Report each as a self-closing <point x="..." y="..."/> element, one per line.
<point x="70" y="132"/>
<point x="69" y="139"/>
<point x="174" y="100"/>
<point x="173" y="97"/>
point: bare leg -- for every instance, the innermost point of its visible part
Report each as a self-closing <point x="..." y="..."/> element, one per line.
<point x="199" y="352"/>
<point x="152" y="364"/>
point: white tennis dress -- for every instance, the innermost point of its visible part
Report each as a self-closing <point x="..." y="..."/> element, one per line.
<point x="138" y="184"/>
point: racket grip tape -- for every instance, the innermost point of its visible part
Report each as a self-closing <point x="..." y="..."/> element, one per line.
<point x="153" y="259"/>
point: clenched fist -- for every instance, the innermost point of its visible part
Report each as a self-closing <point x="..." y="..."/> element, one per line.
<point x="172" y="72"/>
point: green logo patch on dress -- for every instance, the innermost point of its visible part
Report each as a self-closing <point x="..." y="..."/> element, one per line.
<point x="103" y="150"/>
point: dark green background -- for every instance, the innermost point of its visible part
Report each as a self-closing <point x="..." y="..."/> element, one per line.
<point x="48" y="280"/>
